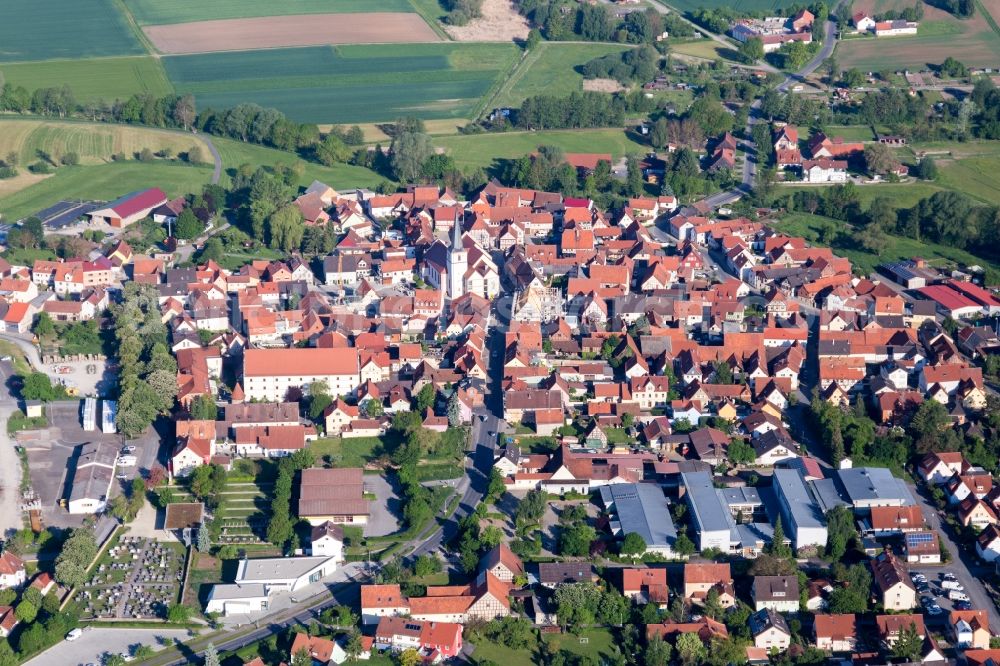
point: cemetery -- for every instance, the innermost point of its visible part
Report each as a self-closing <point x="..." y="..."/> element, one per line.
<point x="137" y="579"/>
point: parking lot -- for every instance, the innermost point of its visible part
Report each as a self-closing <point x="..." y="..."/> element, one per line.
<point x="90" y="377"/>
<point x="933" y="592"/>
<point x="96" y="642"/>
<point x="51" y="457"/>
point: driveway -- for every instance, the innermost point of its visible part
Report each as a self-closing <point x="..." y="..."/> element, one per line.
<point x="386" y="509"/>
<point x="964" y="564"/>
<point x="96" y="642"/>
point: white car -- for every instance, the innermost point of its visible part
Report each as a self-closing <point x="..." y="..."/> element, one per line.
<point x="955" y="595"/>
<point x="74" y="634"/>
<point x="127" y="461"/>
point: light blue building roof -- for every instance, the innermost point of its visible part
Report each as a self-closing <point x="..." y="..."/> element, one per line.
<point x="643" y="509"/>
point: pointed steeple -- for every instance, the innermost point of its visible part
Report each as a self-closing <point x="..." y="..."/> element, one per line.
<point x="456" y="235"/>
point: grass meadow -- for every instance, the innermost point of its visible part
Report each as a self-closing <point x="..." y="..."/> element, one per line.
<point x="158" y="12"/>
<point x="236" y="153"/>
<point x="33" y="30"/>
<point x="479" y="150"/>
<point x="550" y="69"/>
<point x="807" y="226"/>
<point x="93" y="79"/>
<point x="104" y="182"/>
<point x="93" y="142"/>
<point x="348" y="84"/>
<point x="770" y="6"/>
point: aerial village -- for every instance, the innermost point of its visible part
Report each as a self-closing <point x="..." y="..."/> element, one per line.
<point x="667" y="424"/>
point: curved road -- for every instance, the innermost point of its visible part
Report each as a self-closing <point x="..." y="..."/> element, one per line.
<point x="750" y="167"/>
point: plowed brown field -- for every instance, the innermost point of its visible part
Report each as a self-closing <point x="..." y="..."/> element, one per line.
<point x="284" y="31"/>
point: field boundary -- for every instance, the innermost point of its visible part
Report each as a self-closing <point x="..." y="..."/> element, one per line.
<point x="989" y="17"/>
<point x="136" y="29"/>
<point x="432" y="21"/>
<point x="516" y="72"/>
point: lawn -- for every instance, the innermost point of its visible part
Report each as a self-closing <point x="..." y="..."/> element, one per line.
<point x="33" y="30"/>
<point x="593" y="643"/>
<point x="707" y="49"/>
<point x="158" y="12"/>
<point x="805" y="225"/>
<point x="345" y="176"/>
<point x="104" y="182"/>
<point x="94" y="143"/>
<point x="94" y="79"/>
<point x="352" y="452"/>
<point x="551" y="69"/>
<point x="480" y="150"/>
<point x="851" y="132"/>
<point x="348" y="84"/>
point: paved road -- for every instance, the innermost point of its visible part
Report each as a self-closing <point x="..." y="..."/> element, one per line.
<point x="964" y="564"/>
<point x="96" y="642"/>
<point x="217" y="172"/>
<point x="749" y="166"/>
<point x="10" y="465"/>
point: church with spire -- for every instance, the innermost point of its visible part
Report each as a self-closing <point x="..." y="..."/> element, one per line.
<point x="458" y="264"/>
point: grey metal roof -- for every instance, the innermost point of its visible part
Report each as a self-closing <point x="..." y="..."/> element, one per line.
<point x="873" y="484"/>
<point x="739" y="495"/>
<point x="708" y="510"/>
<point x="803" y="509"/>
<point x="237" y="591"/>
<point x="277" y="568"/>
<point x="643" y="509"/>
<point x="825" y="491"/>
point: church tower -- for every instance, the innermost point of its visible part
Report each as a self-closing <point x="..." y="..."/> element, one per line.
<point x="458" y="263"/>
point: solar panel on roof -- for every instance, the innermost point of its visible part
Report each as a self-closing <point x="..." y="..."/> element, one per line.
<point x="920" y="538"/>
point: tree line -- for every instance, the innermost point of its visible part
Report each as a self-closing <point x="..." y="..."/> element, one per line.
<point x="559" y="20"/>
<point x="245" y="122"/>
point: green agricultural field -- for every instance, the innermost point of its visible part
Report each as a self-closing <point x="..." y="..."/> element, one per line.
<point x="104" y="182"/>
<point x="158" y="12"/>
<point x="348" y="84"/>
<point x="551" y="69"/>
<point x="479" y="150"/>
<point x="972" y="40"/>
<point x="93" y="79"/>
<point x="47" y="29"/>
<point x="849" y="132"/>
<point x="235" y="153"/>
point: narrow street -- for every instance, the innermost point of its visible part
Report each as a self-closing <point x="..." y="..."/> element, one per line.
<point x="965" y="565"/>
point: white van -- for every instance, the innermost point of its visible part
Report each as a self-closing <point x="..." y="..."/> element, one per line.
<point x="955" y="595"/>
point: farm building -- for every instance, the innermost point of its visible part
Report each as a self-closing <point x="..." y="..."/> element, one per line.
<point x="130" y="208"/>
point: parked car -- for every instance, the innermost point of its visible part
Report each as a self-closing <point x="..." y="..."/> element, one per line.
<point x="955" y="595"/>
<point x="951" y="585"/>
<point x="963" y="605"/>
<point x="74" y="634"/>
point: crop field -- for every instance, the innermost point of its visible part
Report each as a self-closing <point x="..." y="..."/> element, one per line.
<point x="104" y="182"/>
<point x="479" y="150"/>
<point x="94" y="78"/>
<point x="33" y="30"/>
<point x="93" y="142"/>
<point x="973" y="41"/>
<point x="551" y="69"/>
<point x="157" y="12"/>
<point x="348" y="84"/>
<point x="288" y="31"/>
